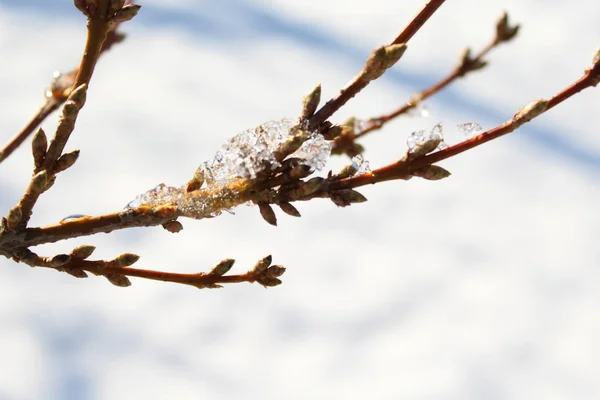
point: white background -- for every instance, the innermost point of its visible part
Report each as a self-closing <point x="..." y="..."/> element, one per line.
<point x="484" y="285"/>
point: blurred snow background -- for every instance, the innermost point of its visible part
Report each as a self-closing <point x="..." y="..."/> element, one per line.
<point x="484" y="285"/>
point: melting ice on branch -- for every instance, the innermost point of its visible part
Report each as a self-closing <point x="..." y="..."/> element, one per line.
<point x="243" y="156"/>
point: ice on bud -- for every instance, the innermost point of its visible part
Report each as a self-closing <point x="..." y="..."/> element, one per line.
<point x="360" y="164"/>
<point x="253" y="151"/>
<point x="422" y="142"/>
<point x="469" y="129"/>
<point x="414" y="139"/>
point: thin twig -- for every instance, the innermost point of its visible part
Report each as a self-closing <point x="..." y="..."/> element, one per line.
<point x="345" y="143"/>
<point x="358" y="83"/>
<point x="56" y="98"/>
<point x="406" y="166"/>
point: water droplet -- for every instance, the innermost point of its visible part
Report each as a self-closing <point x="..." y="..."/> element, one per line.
<point x="469" y="129"/>
<point x="73" y="217"/>
<point x="420" y="110"/>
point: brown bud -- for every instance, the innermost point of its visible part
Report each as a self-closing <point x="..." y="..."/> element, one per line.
<point x="222" y="267"/>
<point x="76" y="272"/>
<point x="262" y="265"/>
<point x="13" y="219"/>
<point x="39" y="146"/>
<point x="333" y="132"/>
<point x="82" y="252"/>
<point x="126" y="260"/>
<point x="505" y="32"/>
<point x="530" y="111"/>
<point x="70" y="110"/>
<point x="381" y="59"/>
<point x="346" y="172"/>
<point x="312" y="185"/>
<point x="78" y="95"/>
<point x="39" y="181"/>
<point x="118" y="280"/>
<point x="289" y="209"/>
<point x="173" y="226"/>
<point x="299" y="171"/>
<point x="126" y="13"/>
<point x="268" y="282"/>
<point x="60" y="260"/>
<point x="274" y="271"/>
<point x="432" y="173"/>
<point x="115" y="5"/>
<point x="311" y="102"/>
<point x="266" y="211"/>
<point x="66" y="161"/>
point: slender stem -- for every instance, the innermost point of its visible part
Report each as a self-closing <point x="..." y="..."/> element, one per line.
<point x="403" y="168"/>
<point x="52" y="103"/>
<point x="376" y="123"/>
<point x="357" y="84"/>
<point x="41" y="114"/>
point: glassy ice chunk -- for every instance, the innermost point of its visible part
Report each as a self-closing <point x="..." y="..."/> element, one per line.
<point x="469" y="129"/>
<point x="160" y="194"/>
<point x="415" y="139"/>
<point x="252" y="151"/>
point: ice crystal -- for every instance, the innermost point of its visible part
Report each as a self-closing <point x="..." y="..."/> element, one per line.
<point x="360" y="164"/>
<point x="420" y="140"/>
<point x="160" y="194"/>
<point x="252" y="151"/>
<point x="469" y="129"/>
<point x="243" y="156"/>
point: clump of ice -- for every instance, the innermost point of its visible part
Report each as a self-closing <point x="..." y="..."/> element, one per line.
<point x="419" y="138"/>
<point x="242" y="156"/>
<point x="252" y="151"/>
<point x="469" y="129"/>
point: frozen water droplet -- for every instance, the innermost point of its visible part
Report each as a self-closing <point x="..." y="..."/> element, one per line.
<point x="420" y="110"/>
<point x="360" y="164"/>
<point x="442" y="145"/>
<point x="469" y="129"/>
<point x="415" y="139"/>
<point x="72" y="217"/>
<point x="357" y="161"/>
<point x="436" y="132"/>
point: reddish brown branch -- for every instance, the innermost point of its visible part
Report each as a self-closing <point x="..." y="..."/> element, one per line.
<point x="359" y="83"/>
<point x="58" y="96"/>
<point x="404" y="168"/>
